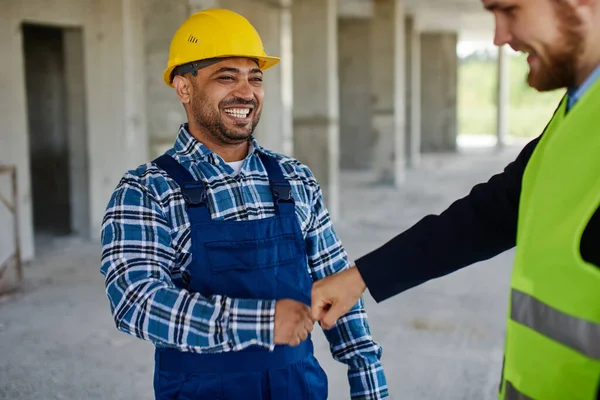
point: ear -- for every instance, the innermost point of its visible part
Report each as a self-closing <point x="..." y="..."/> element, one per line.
<point x="588" y="11"/>
<point x="183" y="88"/>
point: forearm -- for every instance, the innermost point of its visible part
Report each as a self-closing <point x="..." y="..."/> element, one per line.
<point x="172" y="317"/>
<point x="474" y="228"/>
<point x="140" y="265"/>
<point x="349" y="339"/>
<point x="435" y="246"/>
<point x="351" y="343"/>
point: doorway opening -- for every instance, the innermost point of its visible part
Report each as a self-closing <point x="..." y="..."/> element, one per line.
<point x="55" y="88"/>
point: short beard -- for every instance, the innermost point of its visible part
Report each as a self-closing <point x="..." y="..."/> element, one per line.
<point x="559" y="68"/>
<point x="209" y="119"/>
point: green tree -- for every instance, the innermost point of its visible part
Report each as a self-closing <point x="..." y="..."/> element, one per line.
<point x="529" y="109"/>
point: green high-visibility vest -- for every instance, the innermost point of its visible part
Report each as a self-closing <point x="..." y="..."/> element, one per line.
<point x="552" y="348"/>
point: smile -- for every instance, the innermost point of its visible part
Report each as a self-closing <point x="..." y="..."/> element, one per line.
<point x="238" y="112"/>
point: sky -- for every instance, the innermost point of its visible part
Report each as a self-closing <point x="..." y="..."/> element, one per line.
<point x="466" y="47"/>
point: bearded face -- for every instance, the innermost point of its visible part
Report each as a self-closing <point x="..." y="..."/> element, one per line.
<point x="554" y="64"/>
<point x="549" y="31"/>
<point x="227" y="100"/>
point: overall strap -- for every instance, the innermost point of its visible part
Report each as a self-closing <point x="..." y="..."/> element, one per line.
<point x="193" y="191"/>
<point x="280" y="187"/>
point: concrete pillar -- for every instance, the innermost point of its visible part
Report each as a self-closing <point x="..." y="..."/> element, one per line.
<point x="316" y="93"/>
<point x="134" y="69"/>
<point x="388" y="77"/>
<point x="356" y="105"/>
<point x="413" y="90"/>
<point x="77" y="132"/>
<point x="273" y="21"/>
<point x="503" y="97"/>
<point x="199" y="5"/>
<point x="439" y="77"/>
<point x="163" y="108"/>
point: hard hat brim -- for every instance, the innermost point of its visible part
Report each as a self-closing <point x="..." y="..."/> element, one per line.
<point x="265" y="62"/>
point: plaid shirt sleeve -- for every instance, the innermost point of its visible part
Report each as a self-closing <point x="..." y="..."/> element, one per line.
<point x="350" y="339"/>
<point x="137" y="262"/>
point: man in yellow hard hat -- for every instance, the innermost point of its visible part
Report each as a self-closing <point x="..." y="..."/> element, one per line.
<point x="210" y="251"/>
<point x="546" y="202"/>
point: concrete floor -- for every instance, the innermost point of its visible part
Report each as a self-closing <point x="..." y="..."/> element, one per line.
<point x="442" y="340"/>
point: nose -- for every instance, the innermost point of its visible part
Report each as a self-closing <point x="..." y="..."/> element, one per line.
<point x="244" y="90"/>
<point x="502" y="33"/>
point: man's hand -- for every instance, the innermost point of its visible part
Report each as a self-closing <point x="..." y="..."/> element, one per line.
<point x="293" y="322"/>
<point x="333" y="296"/>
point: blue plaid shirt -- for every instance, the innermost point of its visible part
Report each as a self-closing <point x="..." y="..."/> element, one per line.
<point x="146" y="247"/>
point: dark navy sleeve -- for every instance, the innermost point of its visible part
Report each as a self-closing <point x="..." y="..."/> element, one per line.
<point x="477" y="227"/>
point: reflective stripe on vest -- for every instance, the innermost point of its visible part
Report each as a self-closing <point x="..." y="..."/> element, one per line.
<point x="575" y="333"/>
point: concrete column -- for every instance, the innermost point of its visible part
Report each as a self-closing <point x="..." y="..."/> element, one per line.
<point x="503" y="97"/>
<point x="286" y="67"/>
<point x="413" y="105"/>
<point x="356" y="106"/>
<point x="439" y="77"/>
<point x="272" y="20"/>
<point x="134" y="69"/>
<point x="388" y="75"/>
<point x="399" y="93"/>
<point x="77" y="132"/>
<point x="199" y="5"/>
<point x="163" y="109"/>
<point x="316" y="93"/>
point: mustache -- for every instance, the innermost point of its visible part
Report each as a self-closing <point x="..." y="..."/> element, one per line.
<point x="238" y="102"/>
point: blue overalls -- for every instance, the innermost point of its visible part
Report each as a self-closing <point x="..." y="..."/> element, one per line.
<point x="261" y="259"/>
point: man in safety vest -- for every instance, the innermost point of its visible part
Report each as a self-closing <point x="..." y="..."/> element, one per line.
<point x="210" y="251"/>
<point x="546" y="202"/>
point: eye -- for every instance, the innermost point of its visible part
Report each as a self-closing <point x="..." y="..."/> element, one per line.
<point x="226" y="78"/>
<point x="257" y="79"/>
<point x="509" y="10"/>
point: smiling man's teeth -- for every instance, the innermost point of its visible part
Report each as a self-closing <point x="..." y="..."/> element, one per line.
<point x="238" y="112"/>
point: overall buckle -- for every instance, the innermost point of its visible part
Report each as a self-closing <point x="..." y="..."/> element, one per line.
<point x="281" y="192"/>
<point x="194" y="194"/>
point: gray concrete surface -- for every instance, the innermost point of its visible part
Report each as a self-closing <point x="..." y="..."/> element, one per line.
<point x="356" y="102"/>
<point x="439" y="91"/>
<point x="114" y="114"/>
<point x="442" y="340"/>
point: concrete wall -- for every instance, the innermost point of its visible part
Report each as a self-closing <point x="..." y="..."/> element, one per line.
<point x="77" y="132"/>
<point x="48" y="146"/>
<point x="414" y="84"/>
<point x="316" y="86"/>
<point x="382" y="77"/>
<point x="110" y="148"/>
<point x="439" y="73"/>
<point x="408" y="89"/>
<point x="165" y="112"/>
<point x="356" y="99"/>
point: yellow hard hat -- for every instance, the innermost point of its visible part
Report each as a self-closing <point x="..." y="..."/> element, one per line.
<point x="213" y="34"/>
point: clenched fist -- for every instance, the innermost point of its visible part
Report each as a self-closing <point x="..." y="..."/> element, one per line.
<point x="293" y="322"/>
<point x="333" y="296"/>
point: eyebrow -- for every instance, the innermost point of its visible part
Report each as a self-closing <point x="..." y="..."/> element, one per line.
<point x="492" y="6"/>
<point x="236" y="71"/>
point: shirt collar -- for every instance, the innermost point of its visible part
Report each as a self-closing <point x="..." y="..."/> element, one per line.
<point x="575" y="93"/>
<point x="189" y="149"/>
